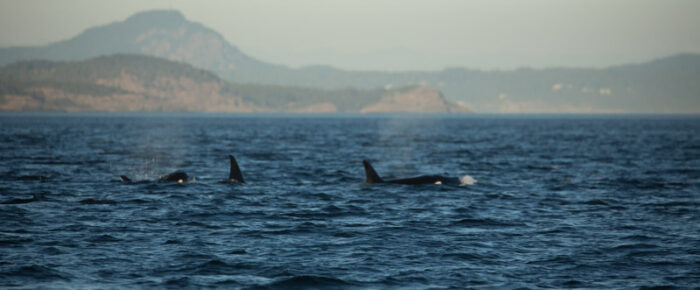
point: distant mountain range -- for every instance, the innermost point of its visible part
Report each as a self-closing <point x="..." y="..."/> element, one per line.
<point x="140" y="83"/>
<point x="668" y="85"/>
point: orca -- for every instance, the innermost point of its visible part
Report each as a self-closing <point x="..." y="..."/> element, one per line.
<point x="373" y="177"/>
<point x="177" y="176"/>
<point x="234" y="174"/>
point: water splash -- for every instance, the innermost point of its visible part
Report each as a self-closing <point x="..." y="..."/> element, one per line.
<point x="467" y="180"/>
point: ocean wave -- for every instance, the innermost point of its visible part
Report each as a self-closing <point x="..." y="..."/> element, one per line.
<point x="485" y="222"/>
<point x="34" y="273"/>
<point x="308" y="282"/>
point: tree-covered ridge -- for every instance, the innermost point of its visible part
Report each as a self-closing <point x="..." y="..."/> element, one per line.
<point x="146" y="68"/>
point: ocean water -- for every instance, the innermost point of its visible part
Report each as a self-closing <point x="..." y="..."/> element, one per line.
<point x="599" y="201"/>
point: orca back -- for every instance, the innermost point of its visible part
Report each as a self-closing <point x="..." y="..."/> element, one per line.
<point x="235" y="172"/>
<point x="177" y="176"/>
<point x="370" y="174"/>
<point x="426" y="179"/>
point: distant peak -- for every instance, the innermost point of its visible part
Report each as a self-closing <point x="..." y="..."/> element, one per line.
<point x="163" y="17"/>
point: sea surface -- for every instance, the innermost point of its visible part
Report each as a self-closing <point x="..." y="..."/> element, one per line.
<point x="583" y="201"/>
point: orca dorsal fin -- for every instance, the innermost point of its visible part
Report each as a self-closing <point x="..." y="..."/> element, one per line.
<point x="372" y="176"/>
<point x="235" y="172"/>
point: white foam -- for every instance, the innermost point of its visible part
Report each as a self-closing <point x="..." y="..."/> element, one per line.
<point x="467" y="180"/>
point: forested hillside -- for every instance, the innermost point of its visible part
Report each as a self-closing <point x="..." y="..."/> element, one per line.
<point x="126" y="83"/>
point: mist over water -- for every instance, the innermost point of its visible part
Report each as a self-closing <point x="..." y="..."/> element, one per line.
<point x="578" y="201"/>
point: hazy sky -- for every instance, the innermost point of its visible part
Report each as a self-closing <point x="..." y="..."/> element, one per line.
<point x="399" y="34"/>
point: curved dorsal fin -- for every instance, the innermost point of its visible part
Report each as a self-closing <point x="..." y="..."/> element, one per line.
<point x="372" y="176"/>
<point x="235" y="172"/>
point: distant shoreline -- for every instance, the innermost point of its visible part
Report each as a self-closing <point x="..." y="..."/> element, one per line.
<point x="356" y="115"/>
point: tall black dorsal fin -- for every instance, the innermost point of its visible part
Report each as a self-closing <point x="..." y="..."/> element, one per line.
<point x="372" y="176"/>
<point x="235" y="172"/>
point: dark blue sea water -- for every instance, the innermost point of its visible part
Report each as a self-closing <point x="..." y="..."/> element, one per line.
<point x="583" y="202"/>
